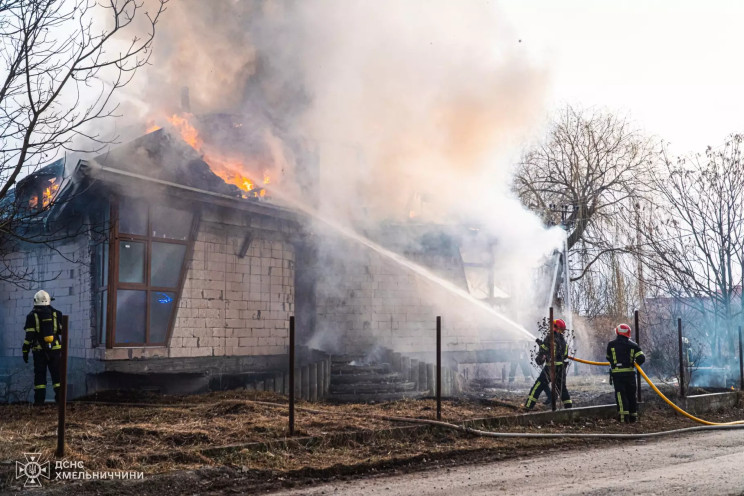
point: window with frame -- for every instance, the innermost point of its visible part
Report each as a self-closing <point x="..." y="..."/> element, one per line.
<point x="99" y="230"/>
<point x="149" y="245"/>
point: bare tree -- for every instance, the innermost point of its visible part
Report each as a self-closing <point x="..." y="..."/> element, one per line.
<point x="62" y="61"/>
<point x="587" y="176"/>
<point x="693" y="244"/>
<point x="661" y="346"/>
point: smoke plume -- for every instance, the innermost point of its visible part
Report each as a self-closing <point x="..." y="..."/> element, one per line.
<point x="404" y="110"/>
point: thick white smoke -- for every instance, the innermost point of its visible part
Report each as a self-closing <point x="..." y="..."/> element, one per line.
<point x="411" y="110"/>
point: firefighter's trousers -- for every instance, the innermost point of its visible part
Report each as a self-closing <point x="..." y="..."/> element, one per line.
<point x="625" y="396"/>
<point x="543" y="384"/>
<point x="43" y="361"/>
<point x="523" y="365"/>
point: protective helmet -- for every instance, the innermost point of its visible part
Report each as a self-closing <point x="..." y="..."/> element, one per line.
<point x="559" y="325"/>
<point x="42" y="299"/>
<point x="623" y="330"/>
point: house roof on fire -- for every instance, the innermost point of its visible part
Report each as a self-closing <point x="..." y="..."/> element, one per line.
<point x="147" y="165"/>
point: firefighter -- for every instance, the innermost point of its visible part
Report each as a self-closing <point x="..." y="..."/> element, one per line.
<point x="687" y="350"/>
<point x="43" y="329"/>
<point x="622" y="353"/>
<point x="522" y="362"/>
<point x="561" y="356"/>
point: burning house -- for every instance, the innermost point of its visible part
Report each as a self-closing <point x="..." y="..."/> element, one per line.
<point x="180" y="254"/>
<point x="164" y="270"/>
<point x="179" y="275"/>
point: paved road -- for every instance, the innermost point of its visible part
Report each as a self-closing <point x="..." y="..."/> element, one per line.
<point x="707" y="463"/>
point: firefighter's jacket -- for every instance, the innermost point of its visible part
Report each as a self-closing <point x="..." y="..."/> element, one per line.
<point x="622" y="353"/>
<point x="43" y="322"/>
<point x="560" y="351"/>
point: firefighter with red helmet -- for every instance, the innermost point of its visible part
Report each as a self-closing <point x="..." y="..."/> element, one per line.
<point x="623" y="353"/>
<point x="561" y="356"/>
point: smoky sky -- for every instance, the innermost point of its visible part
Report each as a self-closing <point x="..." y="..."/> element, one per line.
<point x="409" y="105"/>
<point x="405" y="110"/>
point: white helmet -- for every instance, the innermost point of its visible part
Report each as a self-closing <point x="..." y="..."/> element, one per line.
<point x="42" y="299"/>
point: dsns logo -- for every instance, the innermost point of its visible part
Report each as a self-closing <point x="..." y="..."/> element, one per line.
<point x="33" y="470"/>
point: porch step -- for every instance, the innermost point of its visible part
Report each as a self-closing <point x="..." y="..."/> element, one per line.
<point x="353" y="379"/>
<point x="377" y="397"/>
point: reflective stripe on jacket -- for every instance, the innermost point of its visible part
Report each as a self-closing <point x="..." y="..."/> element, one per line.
<point x="623" y="353"/>
<point x="40" y="322"/>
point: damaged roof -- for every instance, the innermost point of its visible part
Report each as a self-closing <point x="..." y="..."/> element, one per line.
<point x="149" y="163"/>
<point x="157" y="155"/>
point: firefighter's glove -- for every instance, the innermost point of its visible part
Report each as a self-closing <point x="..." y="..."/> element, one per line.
<point x="539" y="341"/>
<point x="25" y="357"/>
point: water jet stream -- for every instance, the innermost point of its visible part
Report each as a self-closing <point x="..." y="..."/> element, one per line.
<point x="400" y="260"/>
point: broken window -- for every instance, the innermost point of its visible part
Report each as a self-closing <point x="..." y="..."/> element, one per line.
<point x="150" y="246"/>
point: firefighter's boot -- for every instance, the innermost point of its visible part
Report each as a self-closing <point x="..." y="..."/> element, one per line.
<point x="39" y="396"/>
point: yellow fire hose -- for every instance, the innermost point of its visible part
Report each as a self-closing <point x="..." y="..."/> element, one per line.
<point x="653" y="386"/>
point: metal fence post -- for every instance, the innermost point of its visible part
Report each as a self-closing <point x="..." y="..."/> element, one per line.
<point x="291" y="375"/>
<point x="741" y="365"/>
<point x="553" y="388"/>
<point x="439" y="368"/>
<point x="638" y="341"/>
<point x="62" y="404"/>
<point x="681" y="360"/>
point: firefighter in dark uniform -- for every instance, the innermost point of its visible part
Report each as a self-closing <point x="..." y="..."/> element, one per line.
<point x="522" y="361"/>
<point x="622" y="353"/>
<point x="43" y="330"/>
<point x="561" y="356"/>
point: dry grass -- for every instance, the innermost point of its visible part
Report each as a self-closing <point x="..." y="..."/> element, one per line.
<point x="172" y="435"/>
<point x="157" y="439"/>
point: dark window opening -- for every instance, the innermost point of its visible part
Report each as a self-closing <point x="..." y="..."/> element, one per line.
<point x="99" y="219"/>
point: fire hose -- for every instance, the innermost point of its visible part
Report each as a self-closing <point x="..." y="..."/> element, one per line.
<point x="477" y="432"/>
<point x="707" y="424"/>
<point x="661" y="395"/>
<point x="555" y="435"/>
<point x="462" y="428"/>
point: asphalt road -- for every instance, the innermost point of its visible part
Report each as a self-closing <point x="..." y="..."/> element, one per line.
<point x="705" y="463"/>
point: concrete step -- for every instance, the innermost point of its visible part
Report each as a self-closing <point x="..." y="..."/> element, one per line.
<point x="360" y="388"/>
<point x="346" y="359"/>
<point x="366" y="378"/>
<point x="377" y="397"/>
<point x="380" y="368"/>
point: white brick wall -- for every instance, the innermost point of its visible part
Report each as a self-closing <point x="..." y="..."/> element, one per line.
<point x="68" y="273"/>
<point x="232" y="305"/>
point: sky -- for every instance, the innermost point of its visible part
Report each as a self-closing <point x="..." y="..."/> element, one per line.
<point x="674" y="67"/>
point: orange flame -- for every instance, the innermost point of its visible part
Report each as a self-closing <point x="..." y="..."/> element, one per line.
<point x="47" y="195"/>
<point x="188" y="132"/>
<point x="50" y="192"/>
<point x="227" y="168"/>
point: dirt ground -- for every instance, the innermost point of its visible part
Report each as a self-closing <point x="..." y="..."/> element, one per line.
<point x="706" y="463"/>
<point x="172" y="439"/>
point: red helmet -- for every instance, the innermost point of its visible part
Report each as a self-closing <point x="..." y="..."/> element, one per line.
<point x="559" y="325"/>
<point x="623" y="330"/>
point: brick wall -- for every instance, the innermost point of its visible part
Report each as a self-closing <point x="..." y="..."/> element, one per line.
<point x="68" y="272"/>
<point x="232" y="305"/>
